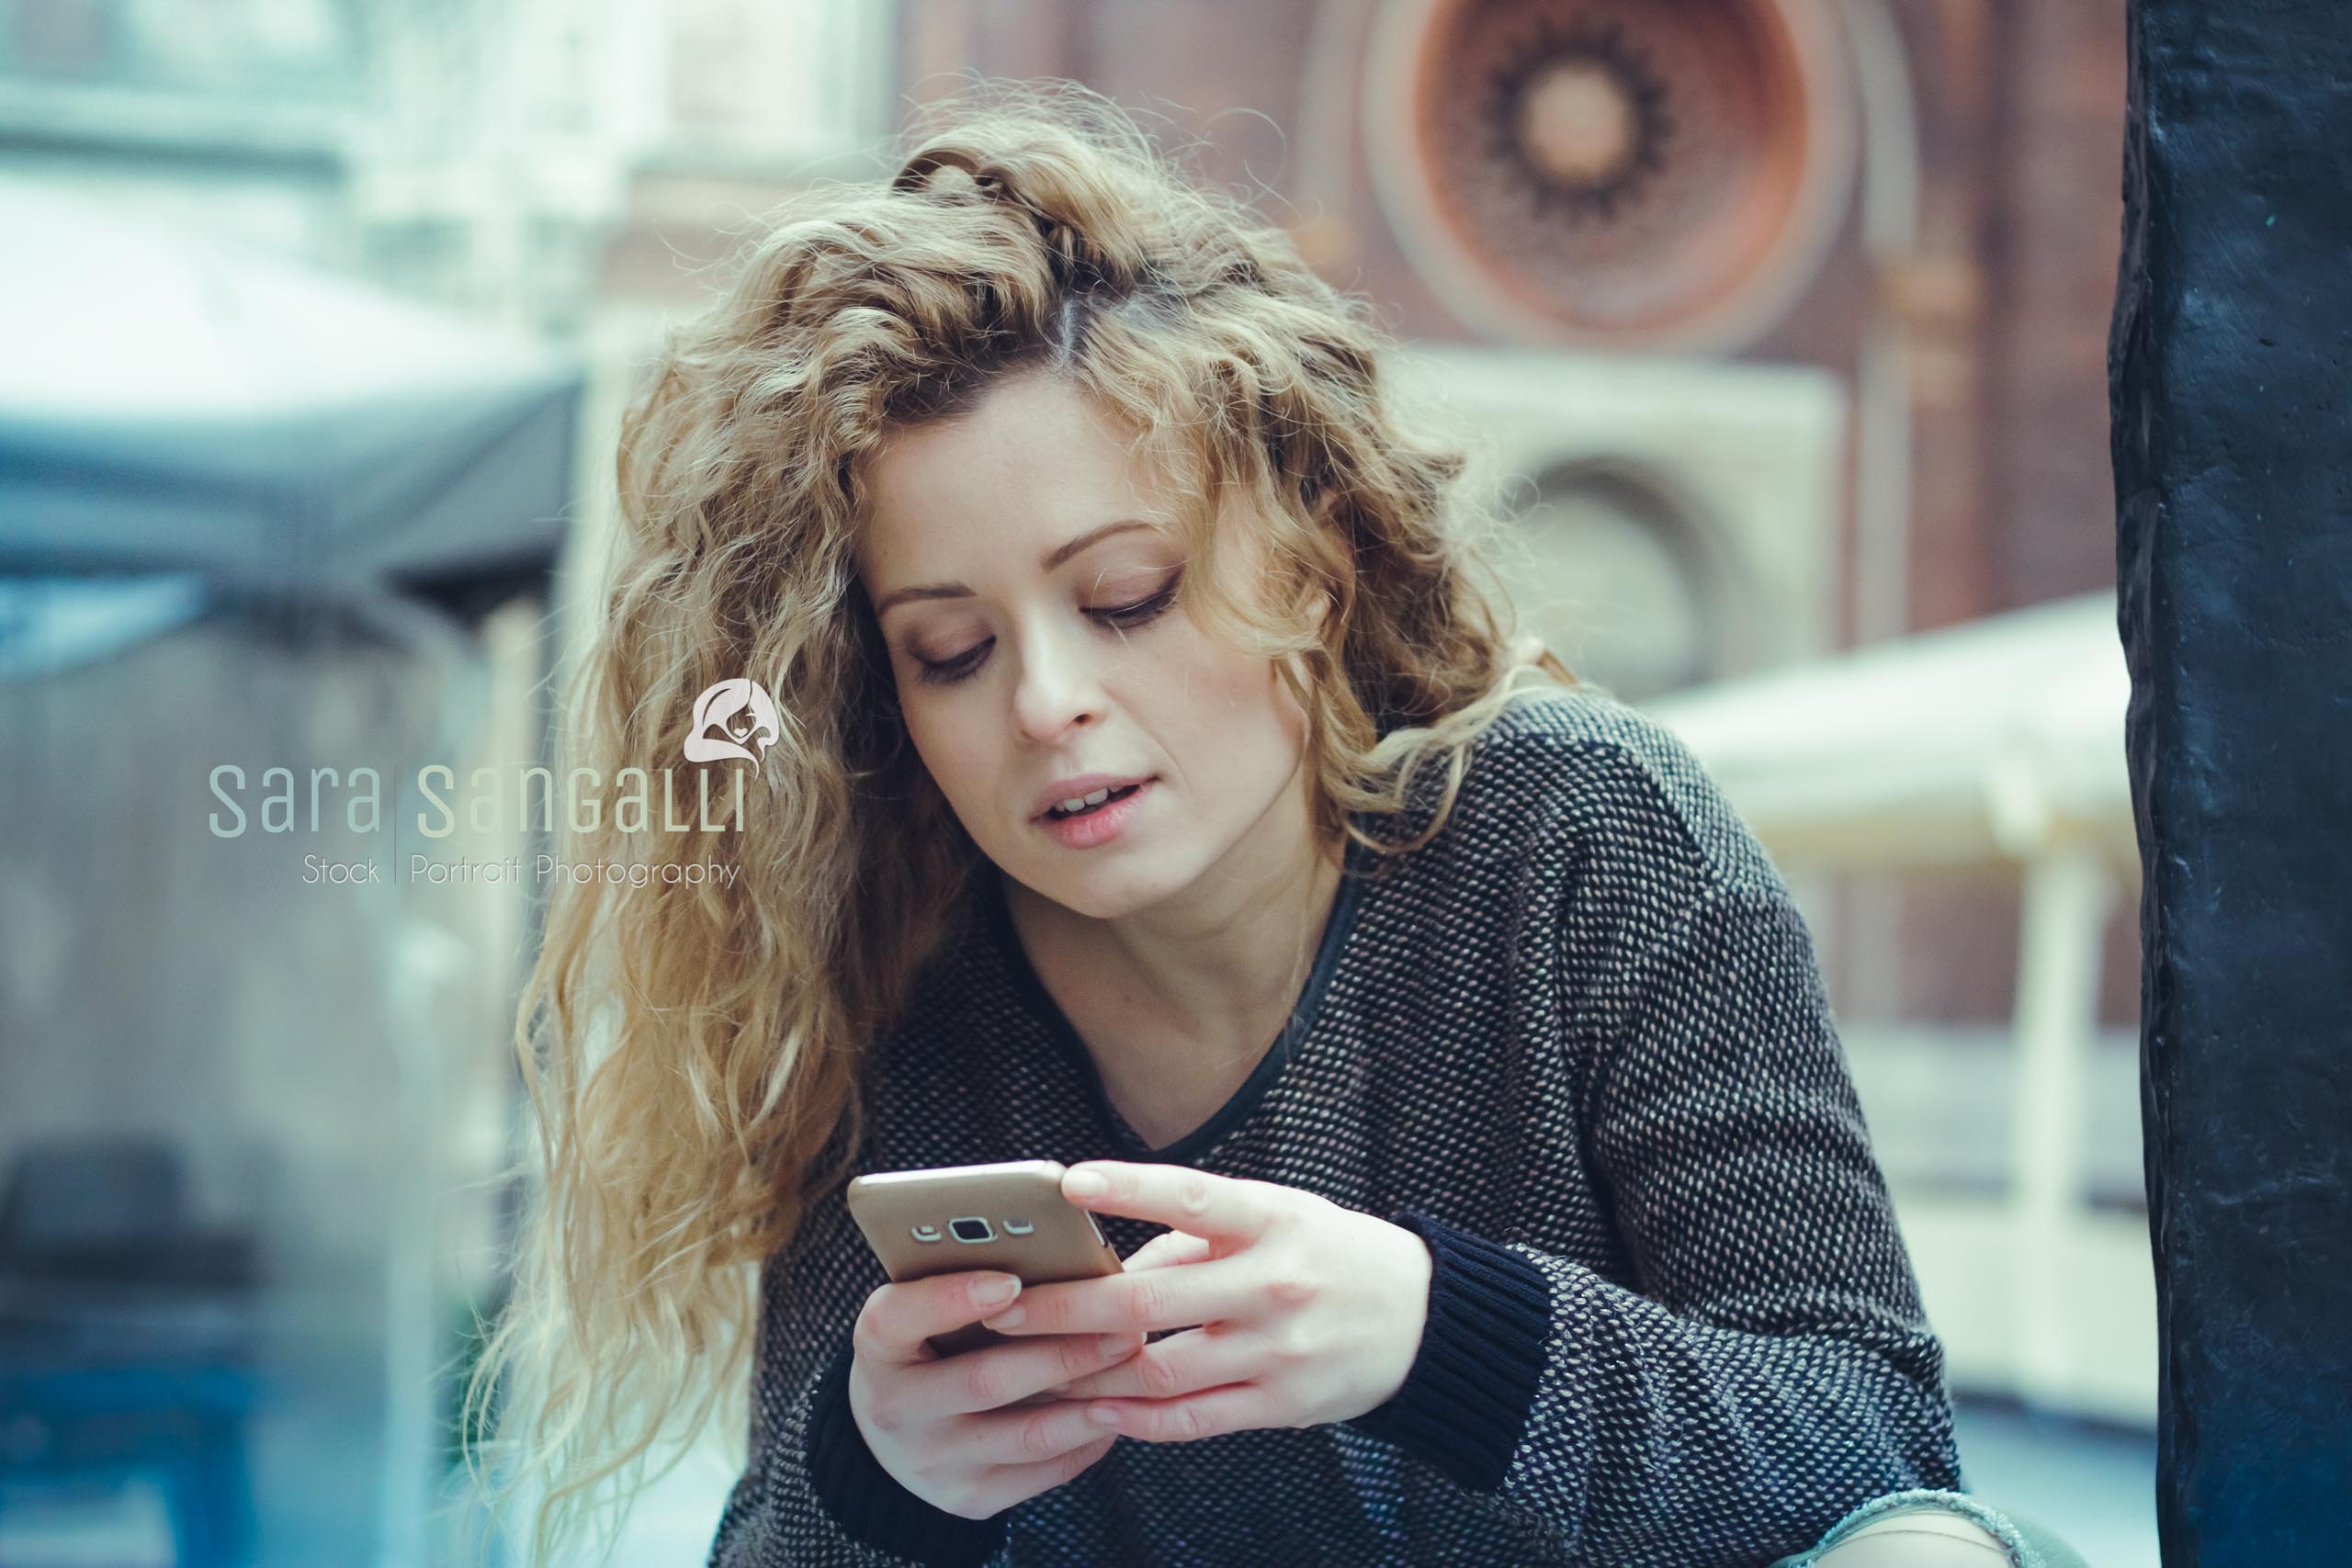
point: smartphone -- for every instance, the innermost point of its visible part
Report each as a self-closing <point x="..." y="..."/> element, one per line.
<point x="1010" y="1216"/>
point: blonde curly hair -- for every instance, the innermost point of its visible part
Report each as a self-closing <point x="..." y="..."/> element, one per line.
<point x="692" y="1052"/>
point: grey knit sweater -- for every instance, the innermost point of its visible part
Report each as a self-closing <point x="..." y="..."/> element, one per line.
<point x="1579" y="1044"/>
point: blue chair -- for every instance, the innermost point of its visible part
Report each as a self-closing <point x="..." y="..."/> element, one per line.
<point x="126" y="1352"/>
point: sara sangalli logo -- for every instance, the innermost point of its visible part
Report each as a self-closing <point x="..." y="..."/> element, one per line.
<point x="734" y="718"/>
<point x="729" y="719"/>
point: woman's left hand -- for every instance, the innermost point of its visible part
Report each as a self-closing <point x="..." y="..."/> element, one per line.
<point x="1306" y="1312"/>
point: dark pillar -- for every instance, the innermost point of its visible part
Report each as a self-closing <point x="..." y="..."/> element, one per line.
<point x="2233" y="452"/>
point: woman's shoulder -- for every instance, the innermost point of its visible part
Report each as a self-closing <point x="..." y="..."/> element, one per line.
<point x="1580" y="769"/>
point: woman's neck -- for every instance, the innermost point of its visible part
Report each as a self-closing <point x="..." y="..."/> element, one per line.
<point x="1181" y="992"/>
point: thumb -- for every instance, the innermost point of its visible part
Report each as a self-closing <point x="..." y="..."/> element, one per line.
<point x="1170" y="1247"/>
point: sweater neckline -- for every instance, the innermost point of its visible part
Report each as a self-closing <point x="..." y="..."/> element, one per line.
<point x="998" y="918"/>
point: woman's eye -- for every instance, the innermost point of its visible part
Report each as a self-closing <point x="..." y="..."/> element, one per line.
<point x="1121" y="617"/>
<point x="953" y="669"/>
<point x="1142" y="612"/>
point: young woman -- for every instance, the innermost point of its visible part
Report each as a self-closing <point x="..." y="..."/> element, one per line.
<point x="1156" y="788"/>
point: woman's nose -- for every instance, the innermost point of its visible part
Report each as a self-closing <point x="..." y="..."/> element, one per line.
<point x="1058" y="683"/>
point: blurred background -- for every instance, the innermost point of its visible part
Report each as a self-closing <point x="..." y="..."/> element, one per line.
<point x="1783" y="322"/>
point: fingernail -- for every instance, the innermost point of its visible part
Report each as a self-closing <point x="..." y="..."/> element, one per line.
<point x="1115" y="1344"/>
<point x="1002" y="1288"/>
<point x="1084" y="1184"/>
<point x="1010" y="1318"/>
<point x="1103" y="1415"/>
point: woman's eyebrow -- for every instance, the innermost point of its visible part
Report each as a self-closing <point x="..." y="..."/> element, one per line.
<point x="1052" y="559"/>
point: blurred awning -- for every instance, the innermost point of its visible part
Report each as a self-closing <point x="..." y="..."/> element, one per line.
<point x="172" y="404"/>
<point x="1989" y="740"/>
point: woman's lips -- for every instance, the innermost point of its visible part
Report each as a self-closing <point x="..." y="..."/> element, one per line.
<point x="1102" y="824"/>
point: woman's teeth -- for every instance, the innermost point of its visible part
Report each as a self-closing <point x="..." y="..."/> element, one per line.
<point x="1079" y="803"/>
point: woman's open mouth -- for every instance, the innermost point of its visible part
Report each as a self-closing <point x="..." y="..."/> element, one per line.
<point x="1101" y="818"/>
<point x="1095" y="802"/>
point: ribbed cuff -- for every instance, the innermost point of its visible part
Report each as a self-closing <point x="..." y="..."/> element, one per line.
<point x="1465" y="1405"/>
<point x="868" y="1501"/>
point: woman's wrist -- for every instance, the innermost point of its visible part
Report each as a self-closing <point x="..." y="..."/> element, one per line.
<point x="1464" y="1406"/>
<point x="870" y="1503"/>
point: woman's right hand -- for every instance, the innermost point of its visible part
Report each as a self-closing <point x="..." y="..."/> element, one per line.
<point x="954" y="1430"/>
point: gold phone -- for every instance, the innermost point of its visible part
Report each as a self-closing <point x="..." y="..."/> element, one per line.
<point x="1010" y="1216"/>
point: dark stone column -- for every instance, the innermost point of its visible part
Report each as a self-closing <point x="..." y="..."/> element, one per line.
<point x="2233" y="452"/>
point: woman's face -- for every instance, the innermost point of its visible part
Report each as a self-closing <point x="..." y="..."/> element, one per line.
<point x="1035" y="640"/>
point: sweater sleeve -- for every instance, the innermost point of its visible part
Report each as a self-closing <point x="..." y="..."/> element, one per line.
<point x="1774" y="1367"/>
<point x="813" y="1495"/>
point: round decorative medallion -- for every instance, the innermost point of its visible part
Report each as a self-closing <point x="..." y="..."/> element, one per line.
<point x="1636" y="174"/>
